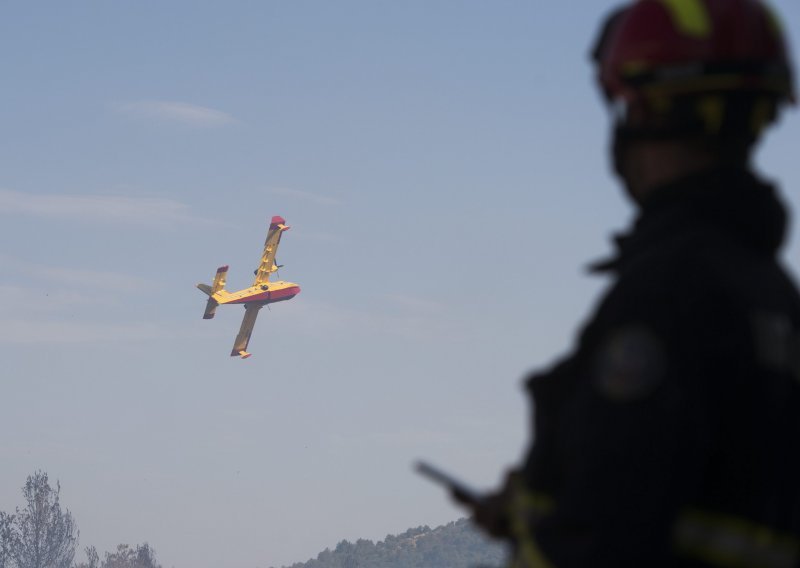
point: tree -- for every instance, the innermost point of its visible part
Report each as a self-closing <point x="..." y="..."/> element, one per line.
<point x="126" y="557"/>
<point x="455" y="545"/>
<point x="143" y="556"/>
<point x="92" y="558"/>
<point x="45" y="535"/>
<point x="8" y="539"/>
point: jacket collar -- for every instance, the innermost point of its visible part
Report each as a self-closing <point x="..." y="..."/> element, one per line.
<point x="731" y="200"/>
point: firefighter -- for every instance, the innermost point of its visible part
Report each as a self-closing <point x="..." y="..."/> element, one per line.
<point x="670" y="435"/>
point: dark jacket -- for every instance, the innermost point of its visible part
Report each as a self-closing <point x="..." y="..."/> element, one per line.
<point x="671" y="436"/>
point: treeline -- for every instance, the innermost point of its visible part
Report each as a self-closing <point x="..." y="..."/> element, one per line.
<point x="43" y="535"/>
<point x="454" y="545"/>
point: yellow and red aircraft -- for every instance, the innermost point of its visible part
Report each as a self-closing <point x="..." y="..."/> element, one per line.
<point x="261" y="293"/>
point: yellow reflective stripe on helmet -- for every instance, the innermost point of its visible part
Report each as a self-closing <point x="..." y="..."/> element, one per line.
<point x="690" y="17"/>
<point x="734" y="542"/>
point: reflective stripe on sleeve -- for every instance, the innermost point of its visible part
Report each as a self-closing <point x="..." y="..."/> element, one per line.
<point x="527" y="507"/>
<point x="733" y="542"/>
<point x="528" y="555"/>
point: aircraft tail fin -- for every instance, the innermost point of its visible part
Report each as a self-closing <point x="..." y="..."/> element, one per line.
<point x="219" y="279"/>
<point x="218" y="284"/>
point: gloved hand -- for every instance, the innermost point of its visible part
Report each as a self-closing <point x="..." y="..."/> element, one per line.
<point x="491" y="511"/>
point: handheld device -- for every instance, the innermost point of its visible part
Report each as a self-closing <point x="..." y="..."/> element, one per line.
<point x="461" y="490"/>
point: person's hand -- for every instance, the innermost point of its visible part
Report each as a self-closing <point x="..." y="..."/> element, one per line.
<point x="491" y="514"/>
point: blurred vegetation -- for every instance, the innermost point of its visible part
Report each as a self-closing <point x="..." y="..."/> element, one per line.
<point x="43" y="535"/>
<point x="454" y="545"/>
<point x="139" y="556"/>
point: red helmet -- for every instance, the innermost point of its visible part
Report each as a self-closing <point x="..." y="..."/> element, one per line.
<point x="661" y="49"/>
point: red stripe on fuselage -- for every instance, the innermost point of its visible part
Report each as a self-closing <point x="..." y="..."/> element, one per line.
<point x="269" y="297"/>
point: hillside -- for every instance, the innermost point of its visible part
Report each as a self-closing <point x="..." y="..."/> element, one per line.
<point x="454" y="545"/>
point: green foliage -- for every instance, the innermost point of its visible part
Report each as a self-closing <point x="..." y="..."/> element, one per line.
<point x="455" y="545"/>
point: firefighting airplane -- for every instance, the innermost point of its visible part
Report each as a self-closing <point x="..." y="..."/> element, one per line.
<point x="261" y="293"/>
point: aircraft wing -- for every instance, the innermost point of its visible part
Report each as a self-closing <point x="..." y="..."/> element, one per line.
<point x="248" y="322"/>
<point x="267" y="266"/>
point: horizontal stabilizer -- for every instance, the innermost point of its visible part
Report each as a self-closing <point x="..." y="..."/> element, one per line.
<point x="211" y="309"/>
<point x="205" y="288"/>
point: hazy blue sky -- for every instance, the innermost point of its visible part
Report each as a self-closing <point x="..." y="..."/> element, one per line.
<point x="443" y="166"/>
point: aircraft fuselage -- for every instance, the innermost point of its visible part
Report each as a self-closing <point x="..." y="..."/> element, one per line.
<point x="260" y="294"/>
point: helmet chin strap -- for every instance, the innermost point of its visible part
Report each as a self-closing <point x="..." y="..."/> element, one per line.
<point x="638" y="176"/>
<point x="625" y="135"/>
<point x="673" y="130"/>
<point x="622" y="140"/>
